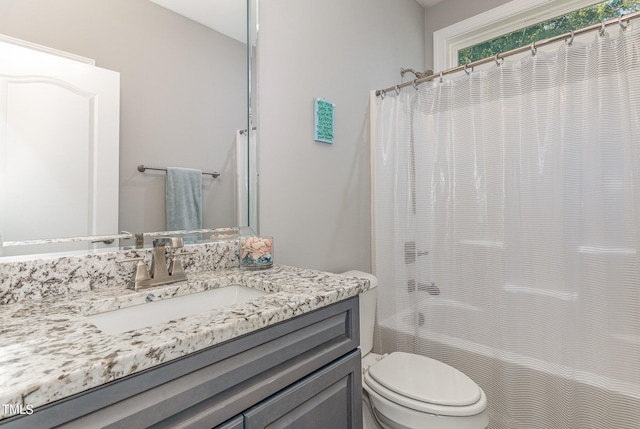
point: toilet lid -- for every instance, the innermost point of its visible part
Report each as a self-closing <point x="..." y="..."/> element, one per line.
<point x="425" y="380"/>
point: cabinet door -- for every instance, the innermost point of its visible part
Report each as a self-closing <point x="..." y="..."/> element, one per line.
<point x="235" y="423"/>
<point x="329" y="398"/>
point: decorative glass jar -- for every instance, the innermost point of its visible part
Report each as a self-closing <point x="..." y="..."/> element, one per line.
<point x="256" y="252"/>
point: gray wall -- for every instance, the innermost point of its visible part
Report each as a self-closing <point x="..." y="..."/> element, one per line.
<point x="183" y="93"/>
<point x="449" y="12"/>
<point x="315" y="197"/>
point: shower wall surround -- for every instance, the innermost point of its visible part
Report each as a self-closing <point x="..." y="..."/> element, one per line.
<point x="52" y="276"/>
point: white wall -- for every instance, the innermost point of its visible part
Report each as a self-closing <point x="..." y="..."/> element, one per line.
<point x="315" y="197"/>
<point x="449" y="12"/>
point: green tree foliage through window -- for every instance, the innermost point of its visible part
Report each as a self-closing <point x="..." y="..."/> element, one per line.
<point x="562" y="24"/>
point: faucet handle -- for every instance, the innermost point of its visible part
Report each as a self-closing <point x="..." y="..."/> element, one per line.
<point x="141" y="274"/>
<point x="175" y="265"/>
<point x="175" y="268"/>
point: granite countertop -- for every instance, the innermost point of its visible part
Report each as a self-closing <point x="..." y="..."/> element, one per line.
<point x="49" y="350"/>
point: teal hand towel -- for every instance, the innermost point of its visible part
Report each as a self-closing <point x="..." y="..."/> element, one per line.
<point x="184" y="199"/>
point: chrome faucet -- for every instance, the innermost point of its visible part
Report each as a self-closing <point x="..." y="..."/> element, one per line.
<point x="162" y="271"/>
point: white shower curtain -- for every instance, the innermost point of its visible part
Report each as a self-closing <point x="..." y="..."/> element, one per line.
<point x="507" y="231"/>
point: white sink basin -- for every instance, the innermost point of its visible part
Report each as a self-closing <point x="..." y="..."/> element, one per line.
<point x="152" y="313"/>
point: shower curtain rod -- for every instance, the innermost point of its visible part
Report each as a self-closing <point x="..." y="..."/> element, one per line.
<point x="500" y="56"/>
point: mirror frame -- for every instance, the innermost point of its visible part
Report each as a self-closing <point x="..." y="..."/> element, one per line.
<point x="253" y="206"/>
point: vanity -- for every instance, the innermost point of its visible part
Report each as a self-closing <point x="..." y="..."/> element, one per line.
<point x="285" y="357"/>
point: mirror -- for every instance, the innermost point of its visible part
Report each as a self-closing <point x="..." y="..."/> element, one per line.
<point x="183" y="98"/>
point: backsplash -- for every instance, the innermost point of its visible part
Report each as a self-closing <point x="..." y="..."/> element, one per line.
<point x="52" y="276"/>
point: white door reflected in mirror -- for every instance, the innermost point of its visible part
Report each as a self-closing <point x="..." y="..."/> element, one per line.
<point x="68" y="163"/>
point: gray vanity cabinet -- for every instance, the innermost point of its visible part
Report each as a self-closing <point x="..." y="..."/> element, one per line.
<point x="326" y="399"/>
<point x="236" y="423"/>
<point x="300" y="373"/>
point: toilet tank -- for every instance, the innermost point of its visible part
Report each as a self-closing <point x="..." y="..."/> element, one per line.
<point x="368" y="301"/>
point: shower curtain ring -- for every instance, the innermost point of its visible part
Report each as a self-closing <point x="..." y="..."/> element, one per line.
<point x="570" y="42"/>
<point x="533" y="49"/>
<point x="441" y="73"/>
<point x="497" y="58"/>
<point x="622" y="24"/>
<point x="602" y="27"/>
<point x="415" y="84"/>
<point x="397" y="89"/>
<point x="465" y="69"/>
<point x="383" y="94"/>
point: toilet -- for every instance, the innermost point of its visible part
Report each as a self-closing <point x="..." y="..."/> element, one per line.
<point x="409" y="391"/>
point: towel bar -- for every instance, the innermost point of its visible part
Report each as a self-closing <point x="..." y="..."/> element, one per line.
<point x="142" y="168"/>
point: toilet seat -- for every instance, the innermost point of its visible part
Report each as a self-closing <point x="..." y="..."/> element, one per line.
<point x="426" y="385"/>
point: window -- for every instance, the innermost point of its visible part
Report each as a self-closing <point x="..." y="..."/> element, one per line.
<point x="503" y="20"/>
<point x="552" y="27"/>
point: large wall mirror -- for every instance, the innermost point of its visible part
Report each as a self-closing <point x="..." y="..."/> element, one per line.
<point x="185" y="70"/>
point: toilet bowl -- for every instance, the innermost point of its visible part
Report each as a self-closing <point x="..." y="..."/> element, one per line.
<point x="409" y="391"/>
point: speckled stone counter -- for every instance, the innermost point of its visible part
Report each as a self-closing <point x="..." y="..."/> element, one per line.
<point x="48" y="276"/>
<point x="49" y="349"/>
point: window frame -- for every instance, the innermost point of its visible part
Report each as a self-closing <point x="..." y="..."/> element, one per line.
<point x="509" y="17"/>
